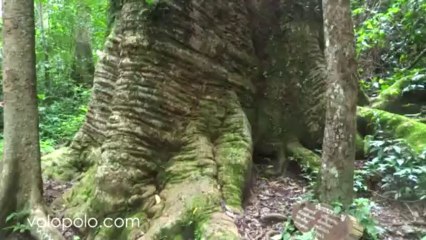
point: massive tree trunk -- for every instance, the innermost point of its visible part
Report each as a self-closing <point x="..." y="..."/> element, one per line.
<point x="180" y="90"/>
<point x="168" y="134"/>
<point x="176" y="143"/>
<point x="338" y="156"/>
<point x="20" y="182"/>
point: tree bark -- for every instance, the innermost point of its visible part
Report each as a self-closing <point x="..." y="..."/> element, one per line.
<point x="166" y="138"/>
<point x="21" y="182"/>
<point x="176" y="143"/>
<point x="45" y="48"/>
<point x="337" y="169"/>
<point x="83" y="66"/>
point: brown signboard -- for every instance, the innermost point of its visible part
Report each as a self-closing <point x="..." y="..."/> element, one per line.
<point x="327" y="224"/>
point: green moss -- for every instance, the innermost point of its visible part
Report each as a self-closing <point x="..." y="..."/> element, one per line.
<point x="53" y="165"/>
<point x="305" y="156"/>
<point x="132" y="230"/>
<point x="66" y="164"/>
<point x="80" y="198"/>
<point x="218" y="226"/>
<point x="233" y="173"/>
<point x="233" y="155"/>
<point x="389" y="97"/>
<point x="414" y="132"/>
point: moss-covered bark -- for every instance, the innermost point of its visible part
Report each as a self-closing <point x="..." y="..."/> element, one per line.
<point x="395" y="99"/>
<point x="289" y="103"/>
<point x="176" y="145"/>
<point x="291" y="88"/>
<point x="166" y="138"/>
<point x="398" y="126"/>
<point x="306" y="157"/>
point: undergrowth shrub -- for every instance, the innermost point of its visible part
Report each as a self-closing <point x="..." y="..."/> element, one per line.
<point x="398" y="170"/>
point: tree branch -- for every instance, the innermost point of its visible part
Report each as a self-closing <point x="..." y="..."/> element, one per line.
<point x="417" y="59"/>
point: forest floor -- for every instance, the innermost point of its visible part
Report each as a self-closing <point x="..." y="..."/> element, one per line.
<point x="271" y="200"/>
<point x="269" y="203"/>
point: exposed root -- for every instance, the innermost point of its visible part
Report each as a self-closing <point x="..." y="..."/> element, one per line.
<point x="78" y="200"/>
<point x="271" y="233"/>
<point x="66" y="163"/>
<point x="412" y="131"/>
<point x="273" y="217"/>
<point x="218" y="226"/>
<point x="40" y="226"/>
<point x="393" y="98"/>
<point x="180" y="194"/>
<point x="194" y="205"/>
<point x="307" y="158"/>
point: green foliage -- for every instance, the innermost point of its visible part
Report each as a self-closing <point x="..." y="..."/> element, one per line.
<point x="290" y="232"/>
<point x="60" y="120"/>
<point x="150" y="2"/>
<point x="18" y="222"/>
<point x="306" y="236"/>
<point x="289" y="229"/>
<point x="361" y="210"/>
<point x="62" y="99"/>
<point x="378" y="84"/>
<point x="399" y="171"/>
<point x="397" y="27"/>
<point x="390" y="35"/>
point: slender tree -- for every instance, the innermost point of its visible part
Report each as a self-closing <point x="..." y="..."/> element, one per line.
<point x="20" y="181"/>
<point x="83" y="67"/>
<point x="338" y="155"/>
<point x="44" y="45"/>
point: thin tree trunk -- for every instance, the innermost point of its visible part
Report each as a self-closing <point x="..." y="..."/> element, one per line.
<point x="45" y="48"/>
<point x="21" y="182"/>
<point x="337" y="169"/>
<point x="83" y="66"/>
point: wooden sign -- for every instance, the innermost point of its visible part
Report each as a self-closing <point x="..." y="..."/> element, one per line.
<point x="327" y="224"/>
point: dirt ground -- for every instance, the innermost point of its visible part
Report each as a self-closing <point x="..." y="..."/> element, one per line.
<point x="270" y="201"/>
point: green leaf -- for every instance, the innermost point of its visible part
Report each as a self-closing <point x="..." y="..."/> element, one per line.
<point x="150" y="2"/>
<point x="11" y="217"/>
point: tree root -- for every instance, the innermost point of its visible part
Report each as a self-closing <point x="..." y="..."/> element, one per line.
<point x="40" y="226"/>
<point x="412" y="131"/>
<point x="393" y="98"/>
<point x="271" y="233"/>
<point x="180" y="194"/>
<point x="273" y="217"/>
<point x="305" y="156"/>
<point x="67" y="163"/>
